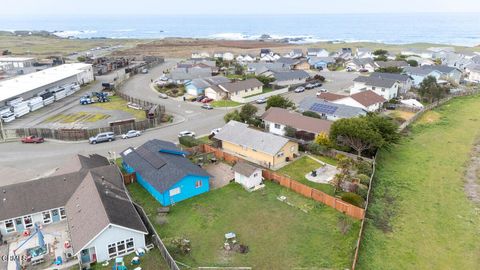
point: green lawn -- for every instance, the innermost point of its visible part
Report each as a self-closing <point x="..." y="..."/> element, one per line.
<point x="204" y="140"/>
<point x="305" y="234"/>
<point x="326" y="159"/>
<point x="420" y="217"/>
<point x="153" y="260"/>
<point x="116" y="103"/>
<point x="225" y="103"/>
<point x="299" y="168"/>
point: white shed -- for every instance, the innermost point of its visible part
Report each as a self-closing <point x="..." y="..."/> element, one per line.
<point x="248" y="175"/>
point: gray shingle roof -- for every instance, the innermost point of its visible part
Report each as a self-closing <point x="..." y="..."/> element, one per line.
<point x="244" y="168"/>
<point x="296" y="120"/>
<point x="393" y="76"/>
<point x="171" y="168"/>
<point x="241" y="85"/>
<point x="376" y="81"/>
<point x="240" y="134"/>
<point x="337" y="110"/>
<point x="46" y="193"/>
<point x="98" y="202"/>
<point x="291" y="75"/>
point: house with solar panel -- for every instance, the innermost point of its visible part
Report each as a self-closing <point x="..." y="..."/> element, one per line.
<point x="165" y="172"/>
<point x="329" y="110"/>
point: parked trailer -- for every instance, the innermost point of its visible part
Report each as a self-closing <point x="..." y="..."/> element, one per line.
<point x="60" y="95"/>
<point x="5" y="110"/>
<point x="35" y="103"/>
<point x="14" y="101"/>
<point x="20" y="109"/>
<point x="6" y="118"/>
<point x="49" y="100"/>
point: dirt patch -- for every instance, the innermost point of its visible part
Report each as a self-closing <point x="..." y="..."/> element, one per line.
<point x="472" y="183"/>
<point x="429" y="117"/>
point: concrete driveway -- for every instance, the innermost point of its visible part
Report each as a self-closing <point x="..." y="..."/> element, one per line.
<point x="222" y="174"/>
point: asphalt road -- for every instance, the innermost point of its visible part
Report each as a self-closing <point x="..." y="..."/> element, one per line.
<point x="21" y="162"/>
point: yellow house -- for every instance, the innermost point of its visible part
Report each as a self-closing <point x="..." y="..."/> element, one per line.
<point x="240" y="89"/>
<point x="265" y="149"/>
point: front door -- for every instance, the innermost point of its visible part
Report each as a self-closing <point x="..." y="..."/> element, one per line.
<point x="19" y="225"/>
<point x="55" y="215"/>
<point x="85" y="256"/>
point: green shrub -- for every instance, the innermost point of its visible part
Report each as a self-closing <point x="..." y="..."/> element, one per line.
<point x="364" y="179"/>
<point x="364" y="167"/>
<point x="353" y="198"/>
<point x="363" y="192"/>
<point x="188" y="141"/>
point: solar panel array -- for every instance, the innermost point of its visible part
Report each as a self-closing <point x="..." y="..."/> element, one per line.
<point x="323" y="108"/>
<point x="150" y="157"/>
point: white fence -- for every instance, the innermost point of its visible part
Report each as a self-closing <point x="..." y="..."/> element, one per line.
<point x="266" y="95"/>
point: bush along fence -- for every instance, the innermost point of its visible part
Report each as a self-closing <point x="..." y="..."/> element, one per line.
<point x="317" y="195"/>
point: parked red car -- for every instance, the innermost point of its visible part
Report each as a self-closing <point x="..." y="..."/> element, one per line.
<point x="33" y="139"/>
<point x="207" y="100"/>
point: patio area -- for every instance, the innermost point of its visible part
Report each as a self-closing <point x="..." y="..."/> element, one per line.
<point x="222" y="174"/>
<point x="55" y="236"/>
<point x="322" y="175"/>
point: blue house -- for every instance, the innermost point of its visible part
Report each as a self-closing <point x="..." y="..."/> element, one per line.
<point x="320" y="62"/>
<point x="164" y="171"/>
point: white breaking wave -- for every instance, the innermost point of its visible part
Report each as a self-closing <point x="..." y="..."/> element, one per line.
<point x="74" y="33"/>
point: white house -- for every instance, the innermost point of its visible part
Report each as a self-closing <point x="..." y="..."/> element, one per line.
<point x="366" y="100"/>
<point x="404" y="80"/>
<point x="197" y="55"/>
<point x="226" y="56"/>
<point x="245" y="58"/>
<point x="361" y="64"/>
<point x="247" y="174"/>
<point x="88" y="195"/>
<point x="387" y="88"/>
<point x="364" y="53"/>
<point x="317" y="52"/>
<point x="473" y="72"/>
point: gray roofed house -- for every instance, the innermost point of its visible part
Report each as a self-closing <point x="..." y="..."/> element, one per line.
<point x="391" y="76"/>
<point x="262" y="67"/>
<point x="187" y="74"/>
<point x="390" y="64"/>
<point x="293" y="75"/>
<point x="171" y="167"/>
<point x="240" y="134"/>
<point x="244" y="168"/>
<point x="376" y="81"/>
<point x="239" y="86"/>
<point x="329" y="110"/>
<point x="99" y="202"/>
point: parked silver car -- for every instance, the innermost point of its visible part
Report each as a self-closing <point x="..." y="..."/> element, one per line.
<point x="131" y="134"/>
<point x="102" y="137"/>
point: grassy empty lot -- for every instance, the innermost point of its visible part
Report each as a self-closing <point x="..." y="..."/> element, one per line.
<point x="300" y="167"/>
<point x="225" y="103"/>
<point x="76" y="117"/>
<point x="420" y="217"/>
<point x="279" y="236"/>
<point x="116" y="103"/>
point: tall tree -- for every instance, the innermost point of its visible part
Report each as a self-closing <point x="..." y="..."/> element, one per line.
<point x="247" y="112"/>
<point x="356" y="133"/>
<point x="430" y="90"/>
<point x="280" y="102"/>
<point x="235" y="115"/>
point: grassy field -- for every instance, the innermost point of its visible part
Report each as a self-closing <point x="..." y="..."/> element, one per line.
<point x="47" y="46"/>
<point x="153" y="260"/>
<point x="327" y="160"/>
<point x="299" y="168"/>
<point x="225" y="103"/>
<point x="76" y="118"/>
<point x="279" y="236"/>
<point x="118" y="104"/>
<point x="420" y="217"/>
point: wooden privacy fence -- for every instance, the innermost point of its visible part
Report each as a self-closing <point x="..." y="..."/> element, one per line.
<point x="219" y="154"/>
<point x="317" y="195"/>
<point x="82" y="134"/>
<point x="172" y="264"/>
<point x="129" y="178"/>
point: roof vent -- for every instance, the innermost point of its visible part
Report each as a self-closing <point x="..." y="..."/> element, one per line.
<point x="4" y="199"/>
<point x="4" y="191"/>
<point x="64" y="179"/>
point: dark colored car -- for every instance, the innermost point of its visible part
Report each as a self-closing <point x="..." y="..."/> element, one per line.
<point x="200" y="98"/>
<point x="33" y="139"/>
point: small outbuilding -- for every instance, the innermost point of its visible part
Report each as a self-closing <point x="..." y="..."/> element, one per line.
<point x="247" y="174"/>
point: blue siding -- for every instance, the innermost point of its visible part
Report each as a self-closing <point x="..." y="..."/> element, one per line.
<point x="192" y="90"/>
<point x="186" y="185"/>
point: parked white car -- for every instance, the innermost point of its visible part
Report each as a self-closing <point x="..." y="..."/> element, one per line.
<point x="215" y="131"/>
<point x="186" y="133"/>
<point x="261" y="100"/>
<point x="299" y="89"/>
<point x="131" y="134"/>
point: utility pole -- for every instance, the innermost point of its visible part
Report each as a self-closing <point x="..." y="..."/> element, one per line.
<point x="2" y="131"/>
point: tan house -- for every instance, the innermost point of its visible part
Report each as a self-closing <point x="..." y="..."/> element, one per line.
<point x="265" y="149"/>
<point x="240" y="89"/>
<point x="302" y="65"/>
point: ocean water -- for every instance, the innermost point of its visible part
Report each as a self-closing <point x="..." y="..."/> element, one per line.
<point x="444" y="28"/>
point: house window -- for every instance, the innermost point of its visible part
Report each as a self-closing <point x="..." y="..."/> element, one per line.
<point x="280" y="154"/>
<point x="255" y="174"/>
<point x="9" y="227"/>
<point x="47" y="218"/>
<point x="373" y="88"/>
<point x="112" y="251"/>
<point x="292" y="149"/>
<point x="121" y="248"/>
<point x="62" y="213"/>
<point x="198" y="184"/>
<point x="174" y="191"/>
<point x="383" y="89"/>
<point x="277" y="126"/>
<point x="28" y="221"/>
<point x="130" y="245"/>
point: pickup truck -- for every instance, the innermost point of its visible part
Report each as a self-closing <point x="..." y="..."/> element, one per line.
<point x="33" y="139"/>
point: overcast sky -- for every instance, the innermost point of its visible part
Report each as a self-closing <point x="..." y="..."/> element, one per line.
<point x="176" y="7"/>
